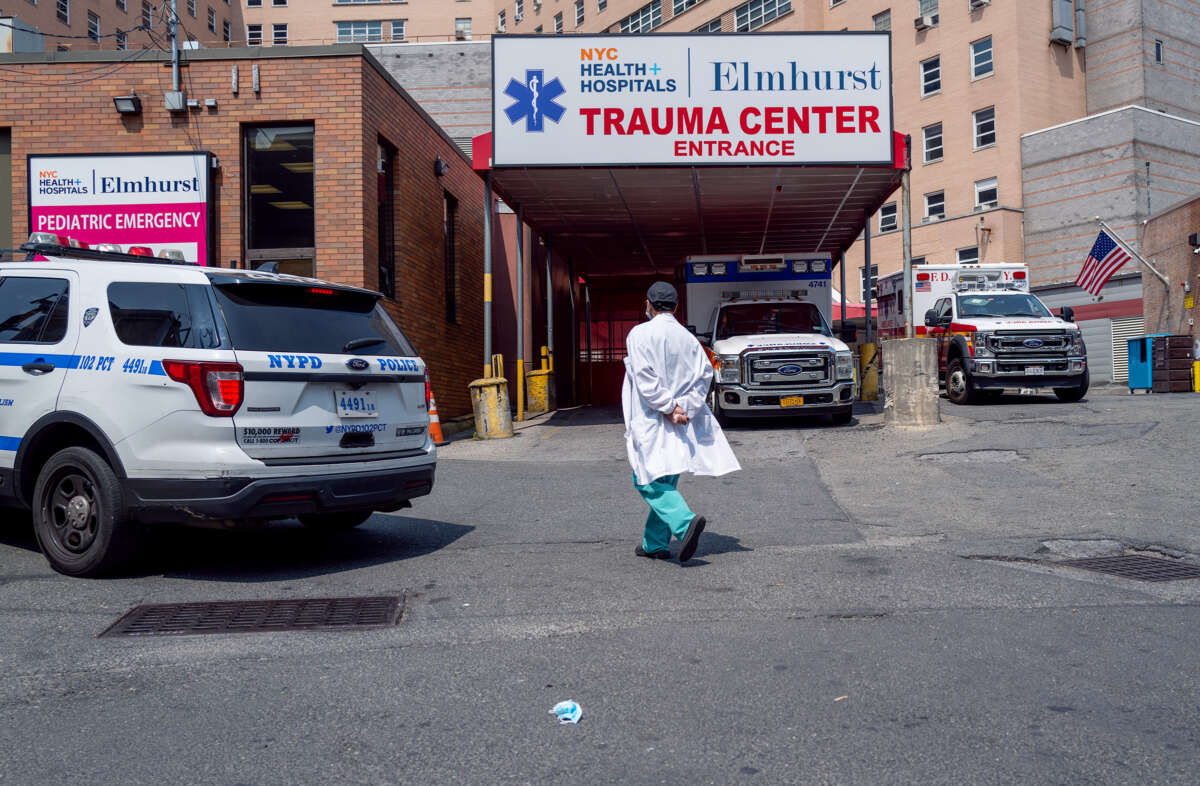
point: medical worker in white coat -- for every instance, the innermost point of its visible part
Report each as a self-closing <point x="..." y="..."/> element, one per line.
<point x="669" y="428"/>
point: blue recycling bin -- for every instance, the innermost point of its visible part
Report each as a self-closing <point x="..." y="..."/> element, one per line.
<point x="1141" y="361"/>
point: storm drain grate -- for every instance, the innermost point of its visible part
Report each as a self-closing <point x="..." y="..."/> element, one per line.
<point x="1138" y="567"/>
<point x="256" y="616"/>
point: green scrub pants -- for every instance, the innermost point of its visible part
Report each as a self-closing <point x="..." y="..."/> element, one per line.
<point x="669" y="513"/>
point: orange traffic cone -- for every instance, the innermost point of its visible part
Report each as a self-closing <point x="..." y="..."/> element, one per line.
<point x="435" y="424"/>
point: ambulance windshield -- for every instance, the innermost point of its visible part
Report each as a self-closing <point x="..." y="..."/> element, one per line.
<point x="995" y="304"/>
<point x="748" y="319"/>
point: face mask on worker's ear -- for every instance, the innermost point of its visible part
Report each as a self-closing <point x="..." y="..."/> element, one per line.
<point x="649" y="314"/>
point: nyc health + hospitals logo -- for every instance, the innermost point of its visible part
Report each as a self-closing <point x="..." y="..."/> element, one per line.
<point x="534" y="100"/>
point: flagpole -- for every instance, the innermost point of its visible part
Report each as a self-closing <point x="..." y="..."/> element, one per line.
<point x="1113" y="233"/>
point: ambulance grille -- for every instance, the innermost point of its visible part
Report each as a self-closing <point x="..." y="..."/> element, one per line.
<point x="1005" y="342"/>
<point x="789" y="369"/>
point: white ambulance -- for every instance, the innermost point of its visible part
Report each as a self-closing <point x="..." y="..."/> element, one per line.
<point x="765" y="320"/>
<point x="992" y="333"/>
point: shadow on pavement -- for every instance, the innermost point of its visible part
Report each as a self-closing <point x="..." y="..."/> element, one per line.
<point x="285" y="550"/>
<point x="16" y="529"/>
<point x="587" y="416"/>
<point x="712" y="543"/>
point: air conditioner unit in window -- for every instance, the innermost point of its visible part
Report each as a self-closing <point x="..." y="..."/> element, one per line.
<point x="499" y="28"/>
<point x="462" y="35"/>
<point x="985" y="206"/>
<point x="923" y="22"/>
<point x="979" y="3"/>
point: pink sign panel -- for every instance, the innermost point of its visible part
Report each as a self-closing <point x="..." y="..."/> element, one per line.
<point x="158" y="201"/>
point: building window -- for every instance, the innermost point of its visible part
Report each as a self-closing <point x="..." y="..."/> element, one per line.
<point x="278" y="173"/>
<point x="968" y="256"/>
<point x="756" y="13"/>
<point x="981" y="58"/>
<point x="120" y="5"/>
<point x="122" y="40"/>
<point x="601" y="6"/>
<point x="462" y="29"/>
<point x="191" y="8"/>
<point x="866" y="283"/>
<point x="212" y="20"/>
<point x="644" y="19"/>
<point x="987" y="193"/>
<point x="359" y="32"/>
<point x="1158" y="50"/>
<point x="253" y="35"/>
<point x="887" y="217"/>
<point x="500" y="22"/>
<point x="832" y="3"/>
<point x="519" y="10"/>
<point x="928" y="8"/>
<point x="226" y="33"/>
<point x="147" y="14"/>
<point x="279" y="34"/>
<point x="254" y="3"/>
<point x="931" y="76"/>
<point x="537" y="29"/>
<point x="680" y="6"/>
<point x="579" y="13"/>
<point x="558" y="22"/>
<point x="63" y="8"/>
<point x="985" y="127"/>
<point x="449" y="216"/>
<point x="883" y="20"/>
<point x="712" y="26"/>
<point x="935" y="205"/>
<point x="933" y="142"/>
<point x="398" y="26"/>
<point x="278" y="3"/>
<point x="93" y="27"/>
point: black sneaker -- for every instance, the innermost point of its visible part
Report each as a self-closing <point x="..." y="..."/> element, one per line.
<point x="662" y="554"/>
<point x="691" y="538"/>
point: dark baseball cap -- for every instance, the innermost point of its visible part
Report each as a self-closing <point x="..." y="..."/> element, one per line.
<point x="662" y="292"/>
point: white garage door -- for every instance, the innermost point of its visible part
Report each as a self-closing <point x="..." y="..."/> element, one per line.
<point x="1123" y="328"/>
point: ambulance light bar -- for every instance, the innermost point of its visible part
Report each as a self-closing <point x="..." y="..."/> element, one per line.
<point x="709" y="269"/>
<point x="762" y="264"/>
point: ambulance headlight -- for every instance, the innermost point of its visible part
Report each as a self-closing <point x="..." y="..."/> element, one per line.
<point x="982" y="349"/>
<point x="731" y="368"/>
<point x="1077" y="347"/>
<point x="845" y="365"/>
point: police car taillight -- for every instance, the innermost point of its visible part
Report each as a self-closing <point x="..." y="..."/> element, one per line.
<point x="141" y="251"/>
<point x="218" y="387"/>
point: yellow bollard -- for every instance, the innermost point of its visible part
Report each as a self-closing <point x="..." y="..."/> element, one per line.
<point x="869" y="371"/>
<point x="1196" y="376"/>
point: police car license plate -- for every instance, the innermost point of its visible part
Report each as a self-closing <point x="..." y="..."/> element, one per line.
<point x="791" y="401"/>
<point x="1035" y="370"/>
<point x="355" y="403"/>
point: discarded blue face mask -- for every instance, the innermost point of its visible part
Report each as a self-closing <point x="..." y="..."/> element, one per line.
<point x="567" y="711"/>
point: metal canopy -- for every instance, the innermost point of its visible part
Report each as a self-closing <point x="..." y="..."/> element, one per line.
<point x="623" y="221"/>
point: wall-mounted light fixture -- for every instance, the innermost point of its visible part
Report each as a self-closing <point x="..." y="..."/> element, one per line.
<point x="128" y="105"/>
<point x="440" y="167"/>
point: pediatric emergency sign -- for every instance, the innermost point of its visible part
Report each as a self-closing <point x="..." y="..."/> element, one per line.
<point x="155" y="200"/>
<point x="793" y="98"/>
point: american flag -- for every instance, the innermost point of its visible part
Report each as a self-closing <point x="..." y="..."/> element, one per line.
<point x="922" y="286"/>
<point x="1105" y="258"/>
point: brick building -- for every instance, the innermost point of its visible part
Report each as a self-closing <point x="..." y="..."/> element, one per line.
<point x="86" y="25"/>
<point x="1169" y="242"/>
<point x="323" y="164"/>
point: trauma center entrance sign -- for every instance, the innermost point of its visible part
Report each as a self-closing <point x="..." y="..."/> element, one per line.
<point x="787" y="98"/>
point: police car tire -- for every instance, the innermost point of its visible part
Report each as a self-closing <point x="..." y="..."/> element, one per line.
<point x="335" y="522"/>
<point x="106" y="539"/>
<point x="968" y="394"/>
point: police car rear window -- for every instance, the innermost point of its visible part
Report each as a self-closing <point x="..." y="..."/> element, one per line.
<point x="164" y="315"/>
<point x="33" y="310"/>
<point x="267" y="317"/>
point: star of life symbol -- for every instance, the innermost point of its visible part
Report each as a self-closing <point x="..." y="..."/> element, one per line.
<point x="534" y="100"/>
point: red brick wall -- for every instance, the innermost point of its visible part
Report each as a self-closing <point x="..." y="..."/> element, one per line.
<point x="1165" y="246"/>
<point x="350" y="105"/>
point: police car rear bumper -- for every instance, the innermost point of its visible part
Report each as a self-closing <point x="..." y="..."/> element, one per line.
<point x="224" y="499"/>
<point x="741" y="401"/>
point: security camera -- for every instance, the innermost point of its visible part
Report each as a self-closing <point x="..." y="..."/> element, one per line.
<point x="1196" y="250"/>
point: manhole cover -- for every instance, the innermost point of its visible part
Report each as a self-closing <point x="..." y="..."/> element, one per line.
<point x="254" y="616"/>
<point x="1137" y="566"/>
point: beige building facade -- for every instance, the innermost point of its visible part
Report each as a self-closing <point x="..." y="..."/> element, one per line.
<point x="86" y="25"/>
<point x="315" y="22"/>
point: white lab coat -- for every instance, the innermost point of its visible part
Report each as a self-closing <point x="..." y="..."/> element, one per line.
<point x="664" y="366"/>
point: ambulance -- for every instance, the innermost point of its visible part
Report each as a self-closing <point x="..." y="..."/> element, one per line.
<point x="993" y="334"/>
<point x="765" y="321"/>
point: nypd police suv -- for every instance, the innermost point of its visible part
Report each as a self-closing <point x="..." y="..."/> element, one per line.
<point x="136" y="390"/>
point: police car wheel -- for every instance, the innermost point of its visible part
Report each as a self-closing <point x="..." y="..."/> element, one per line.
<point x="959" y="387"/>
<point x="335" y="522"/>
<point x="78" y="515"/>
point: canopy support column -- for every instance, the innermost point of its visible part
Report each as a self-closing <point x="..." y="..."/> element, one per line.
<point x="520" y="313"/>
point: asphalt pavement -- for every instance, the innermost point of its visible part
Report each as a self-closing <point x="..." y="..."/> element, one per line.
<point x="868" y="605"/>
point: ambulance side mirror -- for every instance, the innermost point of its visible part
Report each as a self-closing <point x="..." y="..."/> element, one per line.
<point x="1067" y="313"/>
<point x="931" y="319"/>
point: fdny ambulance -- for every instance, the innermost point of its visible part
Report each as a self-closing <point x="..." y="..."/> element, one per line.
<point x="764" y="320"/>
<point x="992" y="333"/>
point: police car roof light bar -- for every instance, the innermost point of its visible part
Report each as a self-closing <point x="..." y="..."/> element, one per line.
<point x="55" y="250"/>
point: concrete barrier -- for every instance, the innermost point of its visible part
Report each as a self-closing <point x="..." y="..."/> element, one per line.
<point x="910" y="382"/>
